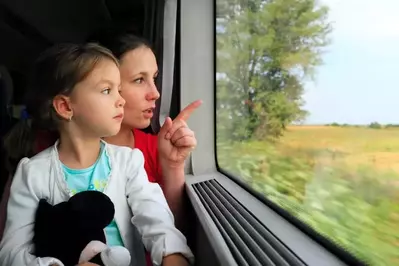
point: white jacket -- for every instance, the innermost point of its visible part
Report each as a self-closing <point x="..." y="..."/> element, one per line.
<point x="128" y="188"/>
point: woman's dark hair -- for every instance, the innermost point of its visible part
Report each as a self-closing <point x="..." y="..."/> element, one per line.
<point x="56" y="71"/>
<point x="119" y="42"/>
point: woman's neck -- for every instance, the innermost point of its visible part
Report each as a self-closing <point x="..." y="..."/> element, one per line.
<point x="125" y="137"/>
<point x="78" y="152"/>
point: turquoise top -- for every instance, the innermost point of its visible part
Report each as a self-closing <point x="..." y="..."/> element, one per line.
<point x="94" y="177"/>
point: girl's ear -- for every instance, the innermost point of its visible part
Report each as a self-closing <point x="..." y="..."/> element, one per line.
<point x="62" y="106"/>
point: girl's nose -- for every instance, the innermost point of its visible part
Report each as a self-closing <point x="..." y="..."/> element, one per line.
<point x="121" y="102"/>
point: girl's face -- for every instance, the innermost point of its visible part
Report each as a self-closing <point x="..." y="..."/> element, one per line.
<point x="95" y="102"/>
<point x="138" y="72"/>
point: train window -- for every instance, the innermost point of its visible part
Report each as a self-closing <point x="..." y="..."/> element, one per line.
<point x="305" y="99"/>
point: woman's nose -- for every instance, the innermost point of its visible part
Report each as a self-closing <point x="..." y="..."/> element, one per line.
<point x="153" y="93"/>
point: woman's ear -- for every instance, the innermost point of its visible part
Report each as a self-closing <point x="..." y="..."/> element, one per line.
<point x="62" y="106"/>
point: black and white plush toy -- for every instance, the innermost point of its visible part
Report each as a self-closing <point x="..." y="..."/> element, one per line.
<point x="73" y="231"/>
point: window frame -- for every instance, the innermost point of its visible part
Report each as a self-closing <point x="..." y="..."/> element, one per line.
<point x="198" y="81"/>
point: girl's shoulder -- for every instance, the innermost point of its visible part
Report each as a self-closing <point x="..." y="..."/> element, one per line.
<point x="124" y="157"/>
<point x="42" y="159"/>
<point x="145" y="152"/>
<point x="35" y="172"/>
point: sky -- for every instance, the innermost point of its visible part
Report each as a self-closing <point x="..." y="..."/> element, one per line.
<point x="358" y="82"/>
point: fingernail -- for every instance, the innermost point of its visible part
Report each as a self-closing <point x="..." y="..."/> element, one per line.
<point x="167" y="136"/>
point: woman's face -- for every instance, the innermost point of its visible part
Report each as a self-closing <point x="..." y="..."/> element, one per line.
<point x="138" y="72"/>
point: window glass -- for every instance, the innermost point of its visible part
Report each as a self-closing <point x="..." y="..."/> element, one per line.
<point x="307" y="113"/>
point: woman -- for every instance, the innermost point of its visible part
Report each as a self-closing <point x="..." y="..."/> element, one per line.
<point x="164" y="154"/>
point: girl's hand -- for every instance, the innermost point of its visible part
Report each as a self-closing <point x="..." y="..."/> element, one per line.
<point x="175" y="139"/>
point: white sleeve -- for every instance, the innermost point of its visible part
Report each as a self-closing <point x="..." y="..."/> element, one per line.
<point x="16" y="245"/>
<point x="151" y="214"/>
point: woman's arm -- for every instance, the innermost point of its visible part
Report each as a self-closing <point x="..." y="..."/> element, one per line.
<point x="175" y="143"/>
<point x="169" y="175"/>
<point x="16" y="245"/>
<point x="173" y="179"/>
<point x="152" y="215"/>
<point x="175" y="260"/>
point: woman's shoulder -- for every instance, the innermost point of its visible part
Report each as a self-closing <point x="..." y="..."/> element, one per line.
<point x="146" y="142"/>
<point x="144" y="139"/>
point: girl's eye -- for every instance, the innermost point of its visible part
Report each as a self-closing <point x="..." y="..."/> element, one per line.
<point x="138" y="80"/>
<point x="106" y="91"/>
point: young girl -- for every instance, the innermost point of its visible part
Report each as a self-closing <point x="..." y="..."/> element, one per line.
<point x="75" y="88"/>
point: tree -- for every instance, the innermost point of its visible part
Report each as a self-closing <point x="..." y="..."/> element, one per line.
<point x="265" y="51"/>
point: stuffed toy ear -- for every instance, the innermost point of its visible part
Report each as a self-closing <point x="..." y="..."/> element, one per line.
<point x="42" y="231"/>
<point x="93" y="209"/>
<point x="50" y="224"/>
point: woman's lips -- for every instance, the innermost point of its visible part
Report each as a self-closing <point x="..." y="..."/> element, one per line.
<point x="148" y="113"/>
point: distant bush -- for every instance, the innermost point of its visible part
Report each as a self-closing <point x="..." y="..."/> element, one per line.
<point x="335" y="124"/>
<point x="375" y="125"/>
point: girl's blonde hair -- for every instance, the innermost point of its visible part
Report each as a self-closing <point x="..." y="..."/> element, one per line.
<point x="56" y="71"/>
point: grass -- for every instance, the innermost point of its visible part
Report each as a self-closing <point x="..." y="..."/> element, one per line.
<point x="342" y="181"/>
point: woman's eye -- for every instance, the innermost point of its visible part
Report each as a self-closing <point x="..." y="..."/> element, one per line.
<point x="106" y="91"/>
<point x="138" y="81"/>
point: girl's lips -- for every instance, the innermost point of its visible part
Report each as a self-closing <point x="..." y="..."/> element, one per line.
<point x="119" y="117"/>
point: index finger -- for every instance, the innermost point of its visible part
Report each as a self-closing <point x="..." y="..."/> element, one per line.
<point x="188" y="110"/>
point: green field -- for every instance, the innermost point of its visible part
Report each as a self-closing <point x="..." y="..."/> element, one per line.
<point x="342" y="181"/>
